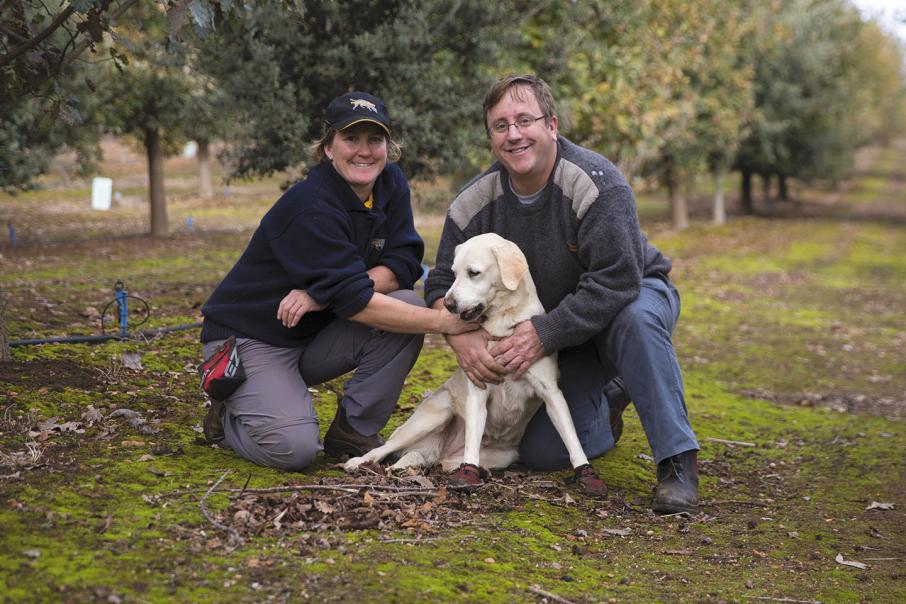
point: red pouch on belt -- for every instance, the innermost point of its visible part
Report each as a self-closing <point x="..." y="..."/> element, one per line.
<point x="222" y="373"/>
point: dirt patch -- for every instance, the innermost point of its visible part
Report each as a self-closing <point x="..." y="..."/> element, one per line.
<point x="56" y="375"/>
<point x="890" y="408"/>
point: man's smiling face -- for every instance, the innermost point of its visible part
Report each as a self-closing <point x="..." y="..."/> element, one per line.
<point x="528" y="154"/>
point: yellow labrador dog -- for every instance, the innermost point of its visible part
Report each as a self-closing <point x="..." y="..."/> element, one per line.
<point x="464" y="427"/>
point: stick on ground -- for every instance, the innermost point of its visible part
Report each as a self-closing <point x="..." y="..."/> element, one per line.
<point x="233" y="533"/>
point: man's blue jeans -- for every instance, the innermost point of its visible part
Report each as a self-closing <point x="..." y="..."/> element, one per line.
<point x="637" y="346"/>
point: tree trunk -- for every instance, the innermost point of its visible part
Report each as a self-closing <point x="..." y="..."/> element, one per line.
<point x="719" y="215"/>
<point x="678" y="207"/>
<point x="155" y="152"/>
<point x="4" y="342"/>
<point x="782" y="191"/>
<point x="205" y="186"/>
<point x="745" y="198"/>
<point x="766" y="188"/>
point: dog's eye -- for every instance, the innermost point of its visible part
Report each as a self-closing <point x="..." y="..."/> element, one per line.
<point x="472" y="273"/>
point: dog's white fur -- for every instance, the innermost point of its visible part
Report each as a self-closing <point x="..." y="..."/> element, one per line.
<point x="461" y="423"/>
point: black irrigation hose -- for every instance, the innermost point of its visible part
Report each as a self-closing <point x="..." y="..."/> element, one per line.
<point x="121" y="298"/>
<point x="150" y="333"/>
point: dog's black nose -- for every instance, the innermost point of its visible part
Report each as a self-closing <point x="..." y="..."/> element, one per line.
<point x="450" y="305"/>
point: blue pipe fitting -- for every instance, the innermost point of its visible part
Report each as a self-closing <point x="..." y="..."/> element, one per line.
<point x="122" y="304"/>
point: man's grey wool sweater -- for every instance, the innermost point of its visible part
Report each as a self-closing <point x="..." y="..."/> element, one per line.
<point x="581" y="238"/>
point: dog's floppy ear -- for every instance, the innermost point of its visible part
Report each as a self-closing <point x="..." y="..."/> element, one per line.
<point x="511" y="263"/>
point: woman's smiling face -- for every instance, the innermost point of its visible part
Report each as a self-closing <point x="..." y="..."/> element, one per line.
<point x="359" y="155"/>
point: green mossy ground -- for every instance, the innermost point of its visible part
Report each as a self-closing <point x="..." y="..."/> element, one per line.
<point x="792" y="338"/>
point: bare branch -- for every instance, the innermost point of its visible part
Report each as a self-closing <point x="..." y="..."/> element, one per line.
<point x="233" y="532"/>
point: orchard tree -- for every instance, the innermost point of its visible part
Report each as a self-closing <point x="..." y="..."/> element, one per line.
<point x="718" y="85"/>
<point x="658" y="87"/>
<point x="825" y="84"/>
<point x="46" y="95"/>
<point x="620" y="94"/>
<point x="146" y="101"/>
<point x="879" y="87"/>
<point x="162" y="101"/>
<point x="48" y="51"/>
<point x="206" y="114"/>
<point x="33" y="131"/>
<point x="426" y="60"/>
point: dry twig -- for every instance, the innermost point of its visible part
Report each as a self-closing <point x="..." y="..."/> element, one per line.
<point x="419" y="540"/>
<point x="790" y="600"/>
<point x="546" y="594"/>
<point x="722" y="441"/>
<point x="735" y="501"/>
<point x="346" y="488"/>
<point x="233" y="533"/>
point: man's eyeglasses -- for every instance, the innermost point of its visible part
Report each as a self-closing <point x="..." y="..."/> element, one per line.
<point x="521" y="123"/>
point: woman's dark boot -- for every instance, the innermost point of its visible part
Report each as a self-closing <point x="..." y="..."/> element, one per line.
<point x="213" y="423"/>
<point x="342" y="440"/>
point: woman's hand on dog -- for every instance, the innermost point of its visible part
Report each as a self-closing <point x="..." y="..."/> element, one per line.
<point x="520" y="350"/>
<point x="294" y="306"/>
<point x="451" y="324"/>
<point x="473" y="357"/>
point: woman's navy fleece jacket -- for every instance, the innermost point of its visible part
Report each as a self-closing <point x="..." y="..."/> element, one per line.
<point x="319" y="237"/>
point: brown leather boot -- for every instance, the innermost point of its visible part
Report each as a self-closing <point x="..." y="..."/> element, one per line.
<point x="677" y="484"/>
<point x="617" y="399"/>
<point x="342" y="439"/>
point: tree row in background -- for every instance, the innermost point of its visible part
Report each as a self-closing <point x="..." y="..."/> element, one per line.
<point x="670" y="90"/>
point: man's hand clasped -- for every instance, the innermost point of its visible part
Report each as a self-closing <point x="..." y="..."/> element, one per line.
<point x="520" y="350"/>
<point x="512" y="356"/>
<point x="472" y="355"/>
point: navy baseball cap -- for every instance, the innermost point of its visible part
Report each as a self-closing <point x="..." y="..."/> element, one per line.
<point x="356" y="107"/>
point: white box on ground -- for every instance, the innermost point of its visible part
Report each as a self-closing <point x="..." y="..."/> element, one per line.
<point x="101" y="189"/>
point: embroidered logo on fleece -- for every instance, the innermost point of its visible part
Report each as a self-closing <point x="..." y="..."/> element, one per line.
<point x="378" y="244"/>
<point x="359" y="103"/>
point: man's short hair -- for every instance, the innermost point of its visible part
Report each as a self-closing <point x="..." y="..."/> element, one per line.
<point x="539" y="88"/>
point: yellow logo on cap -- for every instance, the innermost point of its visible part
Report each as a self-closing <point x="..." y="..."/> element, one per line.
<point x="356" y="103"/>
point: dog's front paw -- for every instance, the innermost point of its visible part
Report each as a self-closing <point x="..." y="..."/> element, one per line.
<point x="589" y="482"/>
<point x="467" y="477"/>
<point x="353" y="464"/>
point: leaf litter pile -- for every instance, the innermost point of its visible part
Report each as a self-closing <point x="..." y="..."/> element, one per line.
<point x="375" y="498"/>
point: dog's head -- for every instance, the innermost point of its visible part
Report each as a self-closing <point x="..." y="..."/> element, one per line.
<point x="485" y="267"/>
